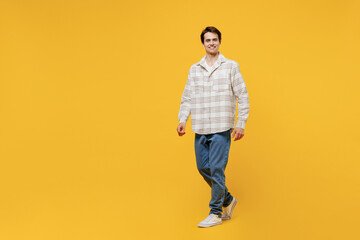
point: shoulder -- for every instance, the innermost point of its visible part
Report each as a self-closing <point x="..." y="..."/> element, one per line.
<point x="194" y="67"/>
<point x="231" y="63"/>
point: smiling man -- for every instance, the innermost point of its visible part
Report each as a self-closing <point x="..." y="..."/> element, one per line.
<point x="213" y="88"/>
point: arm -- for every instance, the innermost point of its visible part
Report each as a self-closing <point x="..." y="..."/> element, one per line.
<point x="240" y="92"/>
<point x="185" y="107"/>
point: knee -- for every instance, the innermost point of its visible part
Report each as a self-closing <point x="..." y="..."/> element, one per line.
<point x="217" y="171"/>
<point x="203" y="170"/>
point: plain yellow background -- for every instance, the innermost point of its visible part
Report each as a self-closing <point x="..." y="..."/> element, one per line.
<point x="89" y="97"/>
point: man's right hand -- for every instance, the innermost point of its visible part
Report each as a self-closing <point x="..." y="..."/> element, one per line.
<point x="181" y="129"/>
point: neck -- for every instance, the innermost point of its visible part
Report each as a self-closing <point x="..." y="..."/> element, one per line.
<point x="212" y="57"/>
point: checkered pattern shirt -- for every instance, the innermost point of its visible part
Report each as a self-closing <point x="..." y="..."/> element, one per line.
<point x="210" y="97"/>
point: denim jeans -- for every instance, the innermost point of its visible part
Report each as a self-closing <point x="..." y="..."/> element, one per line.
<point x="212" y="152"/>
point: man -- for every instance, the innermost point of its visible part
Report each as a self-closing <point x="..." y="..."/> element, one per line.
<point x="214" y="83"/>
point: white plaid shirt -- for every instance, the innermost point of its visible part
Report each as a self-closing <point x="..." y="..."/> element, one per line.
<point x="210" y="97"/>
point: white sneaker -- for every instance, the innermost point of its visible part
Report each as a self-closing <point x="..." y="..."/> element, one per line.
<point x="227" y="211"/>
<point x="210" y="221"/>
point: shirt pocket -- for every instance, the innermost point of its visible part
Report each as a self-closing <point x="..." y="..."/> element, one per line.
<point x="221" y="87"/>
<point x="198" y="86"/>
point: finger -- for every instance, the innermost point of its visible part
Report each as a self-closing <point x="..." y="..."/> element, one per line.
<point x="179" y="131"/>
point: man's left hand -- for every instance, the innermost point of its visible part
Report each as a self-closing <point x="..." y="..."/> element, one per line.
<point x="238" y="133"/>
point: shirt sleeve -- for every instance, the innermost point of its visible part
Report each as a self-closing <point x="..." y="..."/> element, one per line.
<point x="240" y="91"/>
<point x="185" y="107"/>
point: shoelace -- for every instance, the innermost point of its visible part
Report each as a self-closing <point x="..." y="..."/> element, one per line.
<point x="211" y="217"/>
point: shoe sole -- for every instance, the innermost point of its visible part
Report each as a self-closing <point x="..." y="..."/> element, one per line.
<point x="231" y="210"/>
<point x="210" y="225"/>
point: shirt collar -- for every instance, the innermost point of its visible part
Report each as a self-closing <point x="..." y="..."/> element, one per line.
<point x="220" y="60"/>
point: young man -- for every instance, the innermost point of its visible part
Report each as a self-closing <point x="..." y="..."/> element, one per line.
<point x="214" y="83"/>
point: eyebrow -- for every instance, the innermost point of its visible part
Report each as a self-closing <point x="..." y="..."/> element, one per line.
<point x="210" y="38"/>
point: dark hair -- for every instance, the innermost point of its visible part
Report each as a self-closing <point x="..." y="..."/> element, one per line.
<point x="210" y="29"/>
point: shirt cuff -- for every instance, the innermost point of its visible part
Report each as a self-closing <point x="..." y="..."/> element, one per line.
<point x="182" y="120"/>
<point x="241" y="124"/>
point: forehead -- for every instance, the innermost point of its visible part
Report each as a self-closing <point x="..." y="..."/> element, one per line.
<point x="210" y="35"/>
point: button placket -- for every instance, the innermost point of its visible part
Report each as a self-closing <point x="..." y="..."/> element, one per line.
<point x="208" y="112"/>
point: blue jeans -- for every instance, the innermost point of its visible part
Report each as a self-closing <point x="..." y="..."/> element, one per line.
<point x="212" y="152"/>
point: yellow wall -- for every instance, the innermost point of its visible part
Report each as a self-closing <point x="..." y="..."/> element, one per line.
<point x="89" y="97"/>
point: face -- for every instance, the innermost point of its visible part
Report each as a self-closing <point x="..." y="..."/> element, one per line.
<point x="211" y="43"/>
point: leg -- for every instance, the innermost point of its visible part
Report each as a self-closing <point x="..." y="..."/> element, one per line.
<point x="218" y="157"/>
<point x="202" y="145"/>
<point x="202" y="157"/>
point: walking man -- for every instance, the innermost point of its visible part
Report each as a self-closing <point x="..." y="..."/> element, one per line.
<point x="212" y="88"/>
